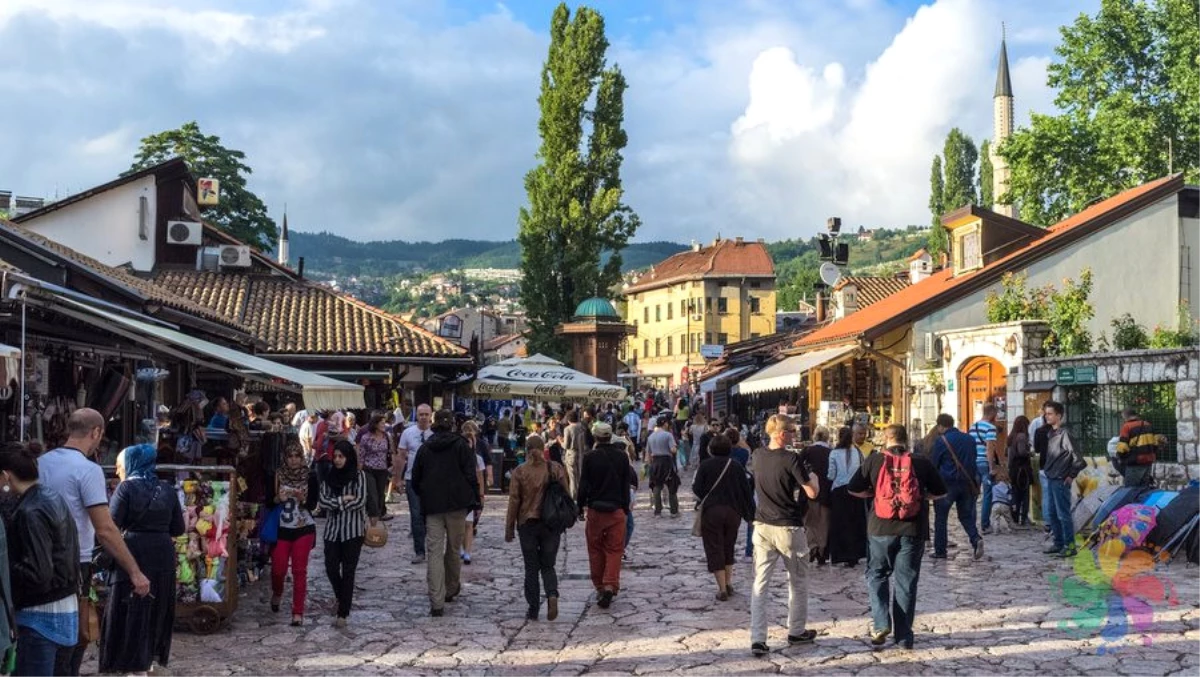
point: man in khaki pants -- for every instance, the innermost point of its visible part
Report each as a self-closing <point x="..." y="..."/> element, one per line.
<point x="444" y="478"/>
<point x="783" y="487"/>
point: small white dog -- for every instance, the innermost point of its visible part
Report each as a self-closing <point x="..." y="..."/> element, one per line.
<point x="1002" y="516"/>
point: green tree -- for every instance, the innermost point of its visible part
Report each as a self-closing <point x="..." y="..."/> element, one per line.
<point x="240" y="213"/>
<point x="986" y="198"/>
<point x="939" y="241"/>
<point x="575" y="211"/>
<point x="959" y="157"/>
<point x="1128" y="86"/>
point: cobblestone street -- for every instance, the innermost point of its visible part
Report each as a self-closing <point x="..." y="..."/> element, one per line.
<point x="1007" y="614"/>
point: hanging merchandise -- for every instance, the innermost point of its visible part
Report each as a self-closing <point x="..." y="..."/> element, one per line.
<point x="111" y="392"/>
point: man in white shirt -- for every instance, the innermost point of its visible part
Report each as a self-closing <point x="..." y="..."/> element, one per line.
<point x="406" y="456"/>
<point x="307" y="432"/>
<point x="70" y="471"/>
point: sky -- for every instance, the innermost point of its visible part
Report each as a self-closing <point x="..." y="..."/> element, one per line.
<point x="417" y="119"/>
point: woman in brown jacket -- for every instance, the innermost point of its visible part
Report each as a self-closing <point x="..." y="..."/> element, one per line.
<point x="539" y="545"/>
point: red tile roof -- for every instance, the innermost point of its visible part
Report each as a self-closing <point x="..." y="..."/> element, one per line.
<point x="941" y="288"/>
<point x="725" y="258"/>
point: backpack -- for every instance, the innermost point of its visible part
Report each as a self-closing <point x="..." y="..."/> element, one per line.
<point x="897" y="491"/>
<point x="558" y="510"/>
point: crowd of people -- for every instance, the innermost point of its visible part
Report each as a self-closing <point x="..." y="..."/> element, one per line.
<point x="834" y="499"/>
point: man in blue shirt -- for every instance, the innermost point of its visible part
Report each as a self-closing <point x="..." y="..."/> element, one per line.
<point x="984" y="432"/>
<point x="954" y="457"/>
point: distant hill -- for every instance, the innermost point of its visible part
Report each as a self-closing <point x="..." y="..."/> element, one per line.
<point x="337" y="255"/>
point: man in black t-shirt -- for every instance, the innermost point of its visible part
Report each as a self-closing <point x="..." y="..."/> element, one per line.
<point x="895" y="546"/>
<point x="783" y="487"/>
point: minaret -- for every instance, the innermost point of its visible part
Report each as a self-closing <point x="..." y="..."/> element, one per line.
<point x="283" y="241"/>
<point x="1002" y="110"/>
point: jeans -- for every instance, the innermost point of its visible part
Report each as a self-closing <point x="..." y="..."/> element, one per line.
<point x="672" y="500"/>
<point x="70" y="658"/>
<point x="539" y="550"/>
<point x="1137" y="475"/>
<point x="684" y="453"/>
<point x="985" y="477"/>
<point x="341" y="564"/>
<point x="443" y="542"/>
<point x="416" y="519"/>
<point x="35" y="654"/>
<point x="628" y="527"/>
<point x="605" y="533"/>
<point x="749" y="539"/>
<point x="770" y="544"/>
<point x="296" y="553"/>
<point x="1045" y="498"/>
<point x="895" y="560"/>
<point x="1061" y="524"/>
<point x="958" y="495"/>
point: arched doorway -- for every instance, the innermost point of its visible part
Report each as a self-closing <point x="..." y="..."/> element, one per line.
<point x="982" y="380"/>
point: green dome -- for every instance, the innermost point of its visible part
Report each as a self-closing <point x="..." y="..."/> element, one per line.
<point x="596" y="307"/>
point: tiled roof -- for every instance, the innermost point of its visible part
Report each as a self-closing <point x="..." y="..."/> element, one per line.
<point x="722" y="259"/>
<point x="942" y="287"/>
<point x="498" y="341"/>
<point x="118" y="277"/>
<point x="302" y="317"/>
<point x="872" y="290"/>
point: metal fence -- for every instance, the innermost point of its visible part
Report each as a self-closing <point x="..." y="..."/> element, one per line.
<point x="1094" y="414"/>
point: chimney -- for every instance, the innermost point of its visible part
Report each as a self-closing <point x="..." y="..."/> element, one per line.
<point x="739" y="241"/>
<point x="919" y="269"/>
<point x="820" y="304"/>
<point x="695" y="246"/>
<point x="300" y="268"/>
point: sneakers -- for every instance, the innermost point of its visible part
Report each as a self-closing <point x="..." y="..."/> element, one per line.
<point x="939" y="555"/>
<point x="466" y="558"/>
<point x="986" y="531"/>
<point x="979" y="549"/>
<point x="1052" y="550"/>
<point x="878" y="637"/>
<point x="1066" y="552"/>
<point x="759" y="649"/>
<point x="437" y="613"/>
<point x="340" y="622"/>
<point x="806" y="637"/>
<point x="418" y="559"/>
<point x="605" y="599"/>
<point x="551" y="608"/>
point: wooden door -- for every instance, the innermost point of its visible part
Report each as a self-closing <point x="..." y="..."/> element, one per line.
<point x="982" y="380"/>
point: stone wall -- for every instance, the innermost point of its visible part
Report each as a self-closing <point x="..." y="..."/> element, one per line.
<point x="1180" y="365"/>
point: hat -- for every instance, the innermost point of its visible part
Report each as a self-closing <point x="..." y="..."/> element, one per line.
<point x="444" y="419"/>
<point x="603" y="430"/>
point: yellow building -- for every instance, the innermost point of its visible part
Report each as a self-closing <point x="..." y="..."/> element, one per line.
<point x="711" y="295"/>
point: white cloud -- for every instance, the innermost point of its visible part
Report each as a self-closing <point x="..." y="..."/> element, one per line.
<point x="418" y="119"/>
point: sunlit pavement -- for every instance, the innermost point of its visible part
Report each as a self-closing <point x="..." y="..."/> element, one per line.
<point x="1012" y="613"/>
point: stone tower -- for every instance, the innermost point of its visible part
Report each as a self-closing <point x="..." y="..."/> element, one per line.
<point x="283" y="241"/>
<point x="1002" y="110"/>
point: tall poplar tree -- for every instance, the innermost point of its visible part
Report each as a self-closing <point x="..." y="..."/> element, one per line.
<point x="575" y="211"/>
<point x="959" y="157"/>
<point x="986" y="197"/>
<point x="937" y="207"/>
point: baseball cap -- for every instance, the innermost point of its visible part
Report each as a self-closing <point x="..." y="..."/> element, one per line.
<point x="602" y="430"/>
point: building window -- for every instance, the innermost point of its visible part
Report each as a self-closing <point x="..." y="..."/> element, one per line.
<point x="658" y="313"/>
<point x="754" y="304"/>
<point x="683" y="303"/>
<point x="722" y="338"/>
<point x="670" y="311"/>
<point x="722" y="305"/>
<point x="646" y="311"/>
<point x="670" y="344"/>
<point x="646" y="347"/>
<point x="634" y="356"/>
<point x="657" y="347"/>
<point x="755" y="285"/>
<point x="708" y="338"/>
<point x="968" y="252"/>
<point x="708" y="303"/>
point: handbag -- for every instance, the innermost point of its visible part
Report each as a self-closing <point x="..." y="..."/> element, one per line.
<point x="558" y="510"/>
<point x="376" y="536"/>
<point x="269" y="532"/>
<point x="89" y="620"/>
<point x="696" y="531"/>
<point x="961" y="471"/>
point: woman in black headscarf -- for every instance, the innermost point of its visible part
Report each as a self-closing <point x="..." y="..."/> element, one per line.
<point x="344" y="498"/>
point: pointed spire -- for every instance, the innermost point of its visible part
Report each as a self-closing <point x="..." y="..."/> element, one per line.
<point x="1003" y="82"/>
<point x="285" y="230"/>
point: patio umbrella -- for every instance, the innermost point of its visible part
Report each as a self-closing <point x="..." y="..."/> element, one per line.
<point x="541" y="377"/>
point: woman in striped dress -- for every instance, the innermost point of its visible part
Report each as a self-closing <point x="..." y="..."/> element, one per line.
<point x="344" y="498"/>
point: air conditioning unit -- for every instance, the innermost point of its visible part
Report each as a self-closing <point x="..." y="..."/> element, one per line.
<point x="234" y="256"/>
<point x="184" y="232"/>
<point x="933" y="349"/>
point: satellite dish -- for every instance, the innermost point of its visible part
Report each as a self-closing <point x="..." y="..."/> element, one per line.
<point x="830" y="274"/>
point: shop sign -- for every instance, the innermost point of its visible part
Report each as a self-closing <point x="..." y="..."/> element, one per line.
<point x="1067" y="376"/>
<point x="711" y="351"/>
<point x="949" y="385"/>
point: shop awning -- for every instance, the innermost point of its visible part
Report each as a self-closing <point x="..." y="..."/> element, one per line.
<point x="710" y="384"/>
<point x="786" y="375"/>
<point x="544" y="378"/>
<point x="10" y="364"/>
<point x="319" y="392"/>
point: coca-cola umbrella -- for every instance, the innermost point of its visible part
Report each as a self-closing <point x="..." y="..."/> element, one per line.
<point x="543" y="378"/>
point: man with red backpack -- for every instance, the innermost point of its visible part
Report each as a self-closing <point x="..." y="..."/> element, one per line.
<point x="900" y="486"/>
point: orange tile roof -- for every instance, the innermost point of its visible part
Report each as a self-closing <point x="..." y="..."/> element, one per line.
<point x="942" y="288"/>
<point x="119" y="277"/>
<point x="295" y="316"/>
<point x="872" y="290"/>
<point x="723" y="259"/>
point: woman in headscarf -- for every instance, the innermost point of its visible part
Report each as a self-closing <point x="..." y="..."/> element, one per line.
<point x="848" y="515"/>
<point x="137" y="630"/>
<point x="344" y="498"/>
<point x="296" y="492"/>
<point x="816" y="520"/>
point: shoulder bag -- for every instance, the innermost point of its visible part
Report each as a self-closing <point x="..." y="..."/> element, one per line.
<point x="961" y="471"/>
<point x="696" y="531"/>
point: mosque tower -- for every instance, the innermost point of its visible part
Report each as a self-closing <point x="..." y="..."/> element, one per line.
<point x="1002" y="110"/>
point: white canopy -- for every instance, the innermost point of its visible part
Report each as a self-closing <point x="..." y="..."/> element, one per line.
<point x="541" y="377"/>
<point x="786" y="375"/>
<point x="10" y="364"/>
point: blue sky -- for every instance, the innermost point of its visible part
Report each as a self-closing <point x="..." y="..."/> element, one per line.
<point x="417" y="119"/>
